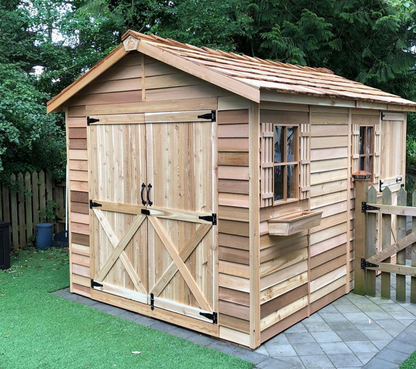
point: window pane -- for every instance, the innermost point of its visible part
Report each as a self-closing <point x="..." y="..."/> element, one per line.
<point x="362" y="140"/>
<point x="291" y="144"/>
<point x="291" y="181"/>
<point x="361" y="164"/>
<point x="278" y="183"/>
<point x="278" y="144"/>
<point x="369" y="164"/>
<point x="368" y="140"/>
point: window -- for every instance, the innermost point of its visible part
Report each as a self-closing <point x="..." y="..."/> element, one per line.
<point x="366" y="149"/>
<point x="285" y="163"/>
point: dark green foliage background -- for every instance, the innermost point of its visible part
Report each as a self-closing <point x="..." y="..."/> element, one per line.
<point x="370" y="41"/>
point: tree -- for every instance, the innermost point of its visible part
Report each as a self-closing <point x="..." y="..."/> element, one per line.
<point x="17" y="42"/>
<point x="365" y="40"/>
<point x="29" y="139"/>
<point x="375" y="35"/>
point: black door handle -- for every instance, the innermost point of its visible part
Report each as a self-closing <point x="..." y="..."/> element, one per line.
<point x="141" y="194"/>
<point x="149" y="187"/>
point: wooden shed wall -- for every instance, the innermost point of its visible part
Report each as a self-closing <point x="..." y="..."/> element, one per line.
<point x="306" y="271"/>
<point x="331" y="194"/>
<point x="284" y="275"/>
<point x="233" y="226"/>
<point x="78" y="200"/>
<point x="120" y="92"/>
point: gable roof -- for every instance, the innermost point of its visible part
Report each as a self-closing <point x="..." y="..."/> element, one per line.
<point x="241" y="74"/>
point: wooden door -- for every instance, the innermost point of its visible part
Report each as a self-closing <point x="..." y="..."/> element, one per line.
<point x="118" y="228"/>
<point x="162" y="251"/>
<point x="182" y="251"/>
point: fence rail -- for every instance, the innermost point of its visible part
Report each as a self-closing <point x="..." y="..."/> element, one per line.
<point x="22" y="201"/>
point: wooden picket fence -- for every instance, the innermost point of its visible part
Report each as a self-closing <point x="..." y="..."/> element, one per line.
<point x="390" y="246"/>
<point x="22" y="200"/>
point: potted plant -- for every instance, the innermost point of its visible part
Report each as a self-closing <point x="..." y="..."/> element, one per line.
<point x="44" y="229"/>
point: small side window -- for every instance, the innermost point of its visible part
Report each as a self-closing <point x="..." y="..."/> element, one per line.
<point x="285" y="163"/>
<point x="366" y="149"/>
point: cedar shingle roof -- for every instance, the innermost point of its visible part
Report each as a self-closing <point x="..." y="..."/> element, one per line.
<point x="241" y="74"/>
<point x="273" y="76"/>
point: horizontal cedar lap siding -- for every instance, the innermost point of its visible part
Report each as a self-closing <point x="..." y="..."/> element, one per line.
<point x="79" y="208"/>
<point x="233" y="238"/>
<point x="283" y="259"/>
<point x="286" y="263"/>
<point x="329" y="193"/>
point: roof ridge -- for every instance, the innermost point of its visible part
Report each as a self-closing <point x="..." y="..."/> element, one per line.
<point x="233" y="55"/>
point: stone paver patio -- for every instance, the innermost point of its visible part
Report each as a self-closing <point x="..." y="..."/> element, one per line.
<point x="352" y="332"/>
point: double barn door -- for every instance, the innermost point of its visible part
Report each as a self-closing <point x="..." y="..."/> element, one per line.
<point x="152" y="221"/>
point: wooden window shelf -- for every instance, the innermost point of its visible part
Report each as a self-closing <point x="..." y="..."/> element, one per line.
<point x="293" y="223"/>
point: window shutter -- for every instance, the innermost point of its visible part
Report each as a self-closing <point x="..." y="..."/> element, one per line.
<point x="377" y="153"/>
<point x="267" y="150"/>
<point x="305" y="161"/>
<point x="355" y="147"/>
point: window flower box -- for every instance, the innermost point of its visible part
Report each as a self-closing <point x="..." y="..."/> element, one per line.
<point x="293" y="223"/>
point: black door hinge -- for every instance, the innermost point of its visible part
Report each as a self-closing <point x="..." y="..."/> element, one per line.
<point x="152" y="301"/>
<point x="91" y="120"/>
<point x="365" y="207"/>
<point x="211" y="316"/>
<point x="210" y="218"/>
<point x="365" y="264"/>
<point x="94" y="204"/>
<point x="212" y="116"/>
<point x="95" y="284"/>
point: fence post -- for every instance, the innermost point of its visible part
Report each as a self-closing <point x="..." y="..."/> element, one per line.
<point x="413" y="279"/>
<point x="371" y="241"/>
<point x="386" y="242"/>
<point x="361" y="180"/>
<point x="13" y="213"/>
<point x="401" y="255"/>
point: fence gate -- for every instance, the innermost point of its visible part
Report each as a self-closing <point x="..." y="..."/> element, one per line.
<point x="386" y="247"/>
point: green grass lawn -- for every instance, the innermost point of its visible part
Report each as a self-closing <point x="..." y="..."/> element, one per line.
<point x="41" y="330"/>
<point x="410" y="362"/>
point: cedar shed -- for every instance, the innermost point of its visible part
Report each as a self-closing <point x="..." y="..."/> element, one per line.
<point x="214" y="190"/>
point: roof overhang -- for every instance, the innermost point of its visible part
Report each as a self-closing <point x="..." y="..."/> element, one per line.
<point x="272" y="96"/>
